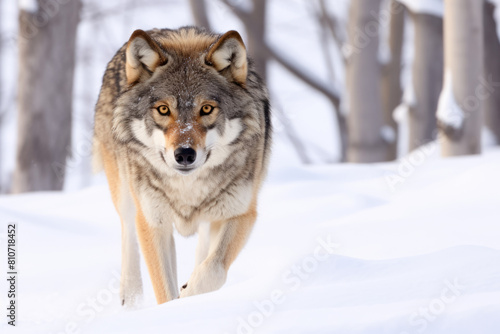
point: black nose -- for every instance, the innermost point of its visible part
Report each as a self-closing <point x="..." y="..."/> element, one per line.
<point x="185" y="156"/>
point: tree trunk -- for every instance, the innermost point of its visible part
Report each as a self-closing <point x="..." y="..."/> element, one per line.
<point x="257" y="36"/>
<point x="365" y="118"/>
<point x="491" y="104"/>
<point x="46" y="66"/>
<point x="463" y="49"/>
<point x="391" y="75"/>
<point x="1" y="103"/>
<point x="427" y="78"/>
<point x="199" y="11"/>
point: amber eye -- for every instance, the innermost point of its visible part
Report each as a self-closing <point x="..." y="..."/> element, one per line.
<point x="163" y="110"/>
<point x="206" y="110"/>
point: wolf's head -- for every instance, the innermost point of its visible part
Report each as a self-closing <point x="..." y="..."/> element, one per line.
<point x="186" y="96"/>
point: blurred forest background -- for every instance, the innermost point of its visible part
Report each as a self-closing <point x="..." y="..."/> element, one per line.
<point x="351" y="81"/>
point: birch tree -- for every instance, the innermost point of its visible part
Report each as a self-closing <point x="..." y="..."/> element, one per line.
<point x="491" y="105"/>
<point x="45" y="85"/>
<point x="459" y="111"/>
<point x="365" y="119"/>
<point x="427" y="78"/>
<point x="391" y="72"/>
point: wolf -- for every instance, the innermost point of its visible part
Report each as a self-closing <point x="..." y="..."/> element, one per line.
<point x="183" y="132"/>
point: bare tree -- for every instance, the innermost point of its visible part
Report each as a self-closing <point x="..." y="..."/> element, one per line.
<point x="258" y="34"/>
<point x="427" y="77"/>
<point x="199" y="12"/>
<point x="392" y="91"/>
<point x="46" y="66"/>
<point x="491" y="105"/>
<point x="365" y="119"/>
<point x="333" y="24"/>
<point x="330" y="26"/>
<point x="463" y="50"/>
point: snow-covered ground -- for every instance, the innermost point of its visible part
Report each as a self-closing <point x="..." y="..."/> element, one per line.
<point x="336" y="249"/>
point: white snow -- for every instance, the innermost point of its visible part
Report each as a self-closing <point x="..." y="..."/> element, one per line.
<point x="388" y="134"/>
<point x="401" y="116"/>
<point x="432" y="7"/>
<point x="449" y="112"/>
<point x="28" y="5"/>
<point x="488" y="138"/>
<point x="409" y="97"/>
<point x="334" y="250"/>
<point x="400" y="113"/>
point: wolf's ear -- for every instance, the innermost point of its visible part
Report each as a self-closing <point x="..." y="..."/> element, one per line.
<point x="229" y="56"/>
<point x="144" y="55"/>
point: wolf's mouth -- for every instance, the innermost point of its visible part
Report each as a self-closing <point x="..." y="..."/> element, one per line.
<point x="184" y="171"/>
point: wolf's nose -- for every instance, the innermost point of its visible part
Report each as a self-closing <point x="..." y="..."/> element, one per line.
<point x="185" y="156"/>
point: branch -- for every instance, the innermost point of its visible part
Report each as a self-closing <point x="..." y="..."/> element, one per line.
<point x="240" y="13"/>
<point x="291" y="134"/>
<point x="332" y="25"/>
<point x="90" y="13"/>
<point x="301" y="73"/>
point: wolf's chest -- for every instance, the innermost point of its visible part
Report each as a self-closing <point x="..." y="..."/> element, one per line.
<point x="190" y="192"/>
<point x="207" y="199"/>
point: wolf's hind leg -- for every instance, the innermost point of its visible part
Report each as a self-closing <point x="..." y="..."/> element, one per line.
<point x="227" y="238"/>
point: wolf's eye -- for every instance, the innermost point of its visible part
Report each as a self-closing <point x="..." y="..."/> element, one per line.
<point x="206" y="110"/>
<point x="163" y="110"/>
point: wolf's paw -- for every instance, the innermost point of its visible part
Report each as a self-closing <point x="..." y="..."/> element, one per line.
<point x="131" y="295"/>
<point x="206" y="277"/>
<point x="131" y="301"/>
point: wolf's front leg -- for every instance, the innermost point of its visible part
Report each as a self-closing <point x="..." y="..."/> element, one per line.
<point x="227" y="238"/>
<point x="130" y="282"/>
<point x="157" y="245"/>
